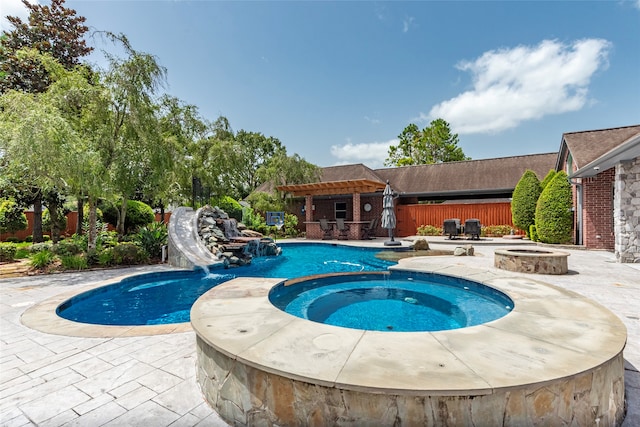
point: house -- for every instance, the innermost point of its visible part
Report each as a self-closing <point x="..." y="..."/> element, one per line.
<point x="603" y="167"/>
<point x="424" y="194"/>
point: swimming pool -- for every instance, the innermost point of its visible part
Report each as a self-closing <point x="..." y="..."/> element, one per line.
<point x="164" y="298"/>
<point x="392" y="301"/>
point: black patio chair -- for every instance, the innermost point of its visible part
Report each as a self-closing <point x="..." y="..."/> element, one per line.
<point x="343" y="229"/>
<point x="472" y="228"/>
<point x="451" y="227"/>
<point x="327" y="229"/>
<point x="369" y="230"/>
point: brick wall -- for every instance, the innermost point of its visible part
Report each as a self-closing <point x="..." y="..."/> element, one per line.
<point x="597" y="211"/>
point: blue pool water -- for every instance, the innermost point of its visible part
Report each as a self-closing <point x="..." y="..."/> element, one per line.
<point x="167" y="297"/>
<point x="398" y="302"/>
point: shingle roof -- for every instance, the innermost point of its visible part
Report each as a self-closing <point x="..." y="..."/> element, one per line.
<point x="466" y="177"/>
<point x="588" y="146"/>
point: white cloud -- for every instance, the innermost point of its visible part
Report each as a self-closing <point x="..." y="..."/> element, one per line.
<point x="371" y="154"/>
<point x="371" y="120"/>
<point x="523" y="83"/>
<point x="12" y="8"/>
<point x="407" y="23"/>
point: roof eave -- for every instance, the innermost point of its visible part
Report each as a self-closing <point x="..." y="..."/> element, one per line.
<point x="628" y="150"/>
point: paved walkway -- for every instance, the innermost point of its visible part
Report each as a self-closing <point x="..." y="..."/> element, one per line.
<point x="54" y="380"/>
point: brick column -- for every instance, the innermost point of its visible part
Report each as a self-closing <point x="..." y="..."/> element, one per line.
<point x="356" y="206"/>
<point x="308" y="208"/>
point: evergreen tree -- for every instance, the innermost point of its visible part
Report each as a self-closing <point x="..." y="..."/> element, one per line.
<point x="524" y="199"/>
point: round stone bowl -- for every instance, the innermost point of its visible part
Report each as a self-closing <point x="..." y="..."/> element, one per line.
<point x="531" y="260"/>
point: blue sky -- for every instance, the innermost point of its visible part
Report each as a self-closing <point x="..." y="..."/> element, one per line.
<point x="337" y="82"/>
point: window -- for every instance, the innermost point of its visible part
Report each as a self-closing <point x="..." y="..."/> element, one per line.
<point x="341" y="210"/>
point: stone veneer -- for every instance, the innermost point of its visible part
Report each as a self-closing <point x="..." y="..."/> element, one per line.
<point x="538" y="261"/>
<point x="243" y="395"/>
<point x="626" y="212"/>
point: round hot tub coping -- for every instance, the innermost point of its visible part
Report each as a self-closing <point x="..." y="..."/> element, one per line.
<point x="528" y="252"/>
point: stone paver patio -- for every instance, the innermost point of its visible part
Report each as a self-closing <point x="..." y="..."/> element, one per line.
<point x="58" y="380"/>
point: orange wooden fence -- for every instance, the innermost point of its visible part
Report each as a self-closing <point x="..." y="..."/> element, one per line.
<point x="410" y="217"/>
<point x="72" y="218"/>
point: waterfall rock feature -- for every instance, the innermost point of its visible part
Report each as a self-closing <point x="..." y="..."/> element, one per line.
<point x="230" y="240"/>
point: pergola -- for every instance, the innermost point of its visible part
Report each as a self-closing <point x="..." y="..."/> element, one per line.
<point x="355" y="187"/>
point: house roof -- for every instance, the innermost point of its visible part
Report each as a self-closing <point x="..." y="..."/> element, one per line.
<point x="600" y="149"/>
<point x="488" y="176"/>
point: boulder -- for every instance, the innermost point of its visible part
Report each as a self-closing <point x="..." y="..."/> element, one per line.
<point x="421" y="245"/>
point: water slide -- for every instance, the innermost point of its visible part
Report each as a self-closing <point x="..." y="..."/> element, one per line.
<point x="185" y="247"/>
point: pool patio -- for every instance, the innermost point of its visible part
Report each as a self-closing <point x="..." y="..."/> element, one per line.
<point x="56" y="380"/>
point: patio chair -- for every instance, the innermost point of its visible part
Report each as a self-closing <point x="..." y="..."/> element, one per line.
<point x="327" y="229"/>
<point x="472" y="228"/>
<point x="369" y="230"/>
<point x="451" y="227"/>
<point x="343" y="229"/>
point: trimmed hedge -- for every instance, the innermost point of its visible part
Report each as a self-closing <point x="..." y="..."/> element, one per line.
<point x="554" y="218"/>
<point x="524" y="199"/>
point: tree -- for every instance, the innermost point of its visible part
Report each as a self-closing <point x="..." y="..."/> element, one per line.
<point x="524" y="199"/>
<point x="433" y="144"/>
<point x="547" y="179"/>
<point x="554" y="218"/>
<point x="55" y="30"/>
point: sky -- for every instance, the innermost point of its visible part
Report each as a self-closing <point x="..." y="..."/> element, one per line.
<point x="336" y="82"/>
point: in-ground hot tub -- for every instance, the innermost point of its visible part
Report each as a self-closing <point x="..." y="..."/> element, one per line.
<point x="531" y="260"/>
<point x="555" y="359"/>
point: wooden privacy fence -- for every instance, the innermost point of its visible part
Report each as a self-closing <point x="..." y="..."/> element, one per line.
<point x="72" y="218"/>
<point x="410" y="217"/>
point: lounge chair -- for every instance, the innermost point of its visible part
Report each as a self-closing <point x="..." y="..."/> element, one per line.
<point x="327" y="229"/>
<point x="451" y="227"/>
<point x="343" y="229"/>
<point x="472" y="228"/>
<point x="369" y="230"/>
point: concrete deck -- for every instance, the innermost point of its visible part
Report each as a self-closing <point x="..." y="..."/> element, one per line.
<point x="55" y="380"/>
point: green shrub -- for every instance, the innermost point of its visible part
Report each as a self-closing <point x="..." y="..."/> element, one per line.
<point x="429" y="230"/>
<point x="39" y="247"/>
<point x="523" y="202"/>
<point x="229" y="205"/>
<point x="152" y="238"/>
<point x="46" y="219"/>
<point x="92" y="257"/>
<point x="554" y="218"/>
<point x="74" y="262"/>
<point x="12" y="217"/>
<point x="106" y="257"/>
<point x="290" y="225"/>
<point x="533" y="234"/>
<point x="547" y="179"/>
<point x="46" y="238"/>
<point x="496" y="230"/>
<point x="42" y="259"/>
<point x="138" y="214"/>
<point x="28" y="239"/>
<point x="8" y="252"/>
<point x="12" y="239"/>
<point x="129" y="254"/>
<point x="67" y="248"/>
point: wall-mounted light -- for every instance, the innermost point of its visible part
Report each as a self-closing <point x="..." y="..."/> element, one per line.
<point x="596" y="168"/>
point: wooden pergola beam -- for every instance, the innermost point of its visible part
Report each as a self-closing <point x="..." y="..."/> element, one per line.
<point x="333" y="187"/>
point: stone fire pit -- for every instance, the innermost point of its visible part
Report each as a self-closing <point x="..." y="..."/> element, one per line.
<point x="530" y="260"/>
